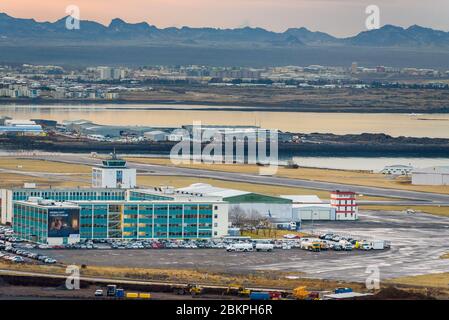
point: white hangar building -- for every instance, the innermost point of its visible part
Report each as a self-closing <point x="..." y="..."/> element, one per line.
<point x="433" y="176"/>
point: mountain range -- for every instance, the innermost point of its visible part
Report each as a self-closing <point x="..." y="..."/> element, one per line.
<point x="28" y="31"/>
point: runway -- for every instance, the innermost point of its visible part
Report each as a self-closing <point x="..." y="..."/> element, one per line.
<point x="412" y="197"/>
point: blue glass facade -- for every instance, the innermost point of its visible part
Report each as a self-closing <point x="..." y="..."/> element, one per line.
<point x="70" y="194"/>
<point x="137" y="195"/>
<point x="145" y="220"/>
<point x="40" y="223"/>
<point x="30" y="222"/>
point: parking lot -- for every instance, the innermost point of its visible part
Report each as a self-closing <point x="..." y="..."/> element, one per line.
<point x="417" y="242"/>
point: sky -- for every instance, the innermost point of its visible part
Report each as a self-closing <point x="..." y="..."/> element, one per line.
<point x="337" y="17"/>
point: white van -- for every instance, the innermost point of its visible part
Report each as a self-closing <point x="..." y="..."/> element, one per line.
<point x="240" y="247"/>
<point x="378" y="244"/>
<point x="264" y="247"/>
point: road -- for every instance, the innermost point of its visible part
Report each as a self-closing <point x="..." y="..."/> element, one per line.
<point x="414" y="196"/>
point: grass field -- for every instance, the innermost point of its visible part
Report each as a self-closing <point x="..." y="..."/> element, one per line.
<point x="435" y="210"/>
<point x="180" y="181"/>
<point x="83" y="172"/>
<point x="363" y="178"/>
<point x="10" y="180"/>
<point x="435" y="280"/>
<point x="28" y="165"/>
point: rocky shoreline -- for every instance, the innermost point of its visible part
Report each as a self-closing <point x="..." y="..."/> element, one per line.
<point x="364" y="145"/>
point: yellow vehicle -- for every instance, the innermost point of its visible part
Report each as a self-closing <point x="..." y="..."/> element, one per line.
<point x="300" y="293"/>
<point x="144" y="295"/>
<point x="132" y="295"/>
<point x="188" y="289"/>
<point x="315" y="246"/>
<point x="324" y="245"/>
<point x="195" y="290"/>
<point x="243" y="292"/>
<point x="238" y="289"/>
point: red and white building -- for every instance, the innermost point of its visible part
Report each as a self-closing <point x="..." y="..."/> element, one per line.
<point x="345" y="205"/>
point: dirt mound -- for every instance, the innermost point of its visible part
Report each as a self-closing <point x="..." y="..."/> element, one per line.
<point x="393" y="293"/>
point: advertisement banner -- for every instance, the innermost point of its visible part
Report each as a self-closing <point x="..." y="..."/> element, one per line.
<point x="63" y="222"/>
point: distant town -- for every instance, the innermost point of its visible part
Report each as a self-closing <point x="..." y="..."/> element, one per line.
<point x="112" y="83"/>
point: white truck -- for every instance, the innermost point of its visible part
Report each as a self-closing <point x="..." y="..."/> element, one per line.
<point x="378" y="244"/>
<point x="264" y="247"/>
<point x="240" y="247"/>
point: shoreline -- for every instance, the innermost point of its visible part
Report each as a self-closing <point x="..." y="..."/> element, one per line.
<point x="364" y="146"/>
<point x="219" y="106"/>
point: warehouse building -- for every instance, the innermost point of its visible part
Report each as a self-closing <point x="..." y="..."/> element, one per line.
<point x="20" y="127"/>
<point x="156" y="135"/>
<point x="310" y="207"/>
<point x="243" y="201"/>
<point x="397" y="170"/>
<point x="313" y="212"/>
<point x="433" y="176"/>
<point x="88" y="128"/>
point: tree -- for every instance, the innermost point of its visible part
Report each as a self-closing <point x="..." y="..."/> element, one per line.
<point x="237" y="216"/>
<point x="255" y="219"/>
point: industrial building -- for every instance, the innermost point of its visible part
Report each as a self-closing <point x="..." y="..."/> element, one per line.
<point x="305" y="208"/>
<point x="156" y="135"/>
<point x="20" y="127"/>
<point x="88" y="128"/>
<point x="244" y="201"/>
<point x="397" y="170"/>
<point x="433" y="176"/>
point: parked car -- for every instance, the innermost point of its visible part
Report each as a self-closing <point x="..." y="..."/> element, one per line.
<point x="366" y="246"/>
<point x="50" y="261"/>
<point x="337" y="247"/>
<point x="98" y="293"/>
<point x="264" y="247"/>
<point x="244" y="247"/>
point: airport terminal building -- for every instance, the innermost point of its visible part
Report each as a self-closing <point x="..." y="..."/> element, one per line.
<point x="58" y="223"/>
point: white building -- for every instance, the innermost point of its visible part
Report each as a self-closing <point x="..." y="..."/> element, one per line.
<point x="114" y="174"/>
<point x="313" y="212"/>
<point x="397" y="170"/>
<point x="433" y="176"/>
<point x="23" y="127"/>
<point x="108" y="73"/>
<point x="243" y="201"/>
<point x="310" y="207"/>
<point x="156" y="135"/>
